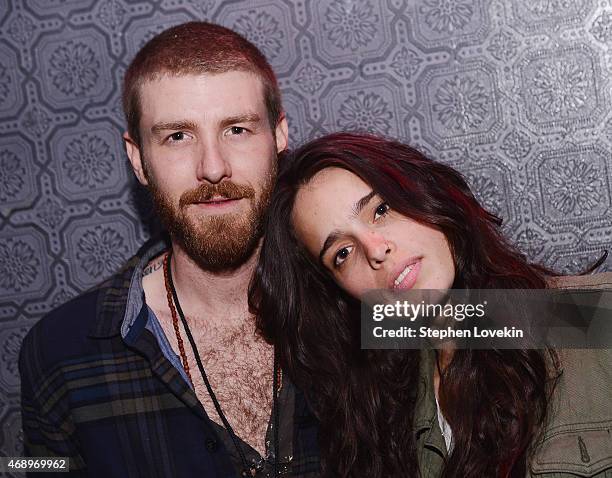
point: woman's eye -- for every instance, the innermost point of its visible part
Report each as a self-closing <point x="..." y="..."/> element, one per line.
<point x="381" y="210"/>
<point x="341" y="255"/>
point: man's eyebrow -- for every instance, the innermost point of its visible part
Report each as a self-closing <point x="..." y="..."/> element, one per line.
<point x="242" y="118"/>
<point x="180" y="125"/>
<point x="333" y="236"/>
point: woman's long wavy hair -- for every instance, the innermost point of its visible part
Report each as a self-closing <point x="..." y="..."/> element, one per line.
<point x="494" y="400"/>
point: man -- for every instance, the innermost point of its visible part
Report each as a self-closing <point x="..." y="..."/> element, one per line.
<point x="116" y="379"/>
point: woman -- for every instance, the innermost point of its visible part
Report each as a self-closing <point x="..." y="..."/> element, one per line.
<point x="356" y="212"/>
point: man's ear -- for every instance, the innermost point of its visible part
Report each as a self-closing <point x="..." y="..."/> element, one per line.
<point x="133" y="151"/>
<point x="282" y="133"/>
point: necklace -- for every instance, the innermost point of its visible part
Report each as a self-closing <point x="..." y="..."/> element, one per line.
<point x="247" y="470"/>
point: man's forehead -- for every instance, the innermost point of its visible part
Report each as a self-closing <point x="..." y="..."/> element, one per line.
<point x="218" y="80"/>
<point x="218" y="95"/>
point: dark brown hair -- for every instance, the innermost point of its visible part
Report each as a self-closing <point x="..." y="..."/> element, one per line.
<point x="196" y="48"/>
<point x="494" y="400"/>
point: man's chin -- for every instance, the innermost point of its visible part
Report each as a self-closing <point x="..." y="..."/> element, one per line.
<point x="220" y="243"/>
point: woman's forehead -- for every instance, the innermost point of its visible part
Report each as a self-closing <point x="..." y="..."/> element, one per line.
<point x="325" y="204"/>
<point x="334" y="179"/>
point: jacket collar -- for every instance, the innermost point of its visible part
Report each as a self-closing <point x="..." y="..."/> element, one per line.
<point x="425" y="411"/>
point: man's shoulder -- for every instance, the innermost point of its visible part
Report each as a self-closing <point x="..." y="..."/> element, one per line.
<point x="69" y="331"/>
<point x="66" y="330"/>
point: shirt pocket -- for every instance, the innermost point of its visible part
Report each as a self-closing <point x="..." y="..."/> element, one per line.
<point x="584" y="453"/>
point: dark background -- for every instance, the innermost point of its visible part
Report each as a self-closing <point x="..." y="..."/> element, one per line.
<point x="515" y="94"/>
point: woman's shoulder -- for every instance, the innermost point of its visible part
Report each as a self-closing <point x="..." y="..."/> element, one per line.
<point x="577" y="438"/>
<point x="602" y="280"/>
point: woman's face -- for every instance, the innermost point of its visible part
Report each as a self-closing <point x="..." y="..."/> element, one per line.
<point x="352" y="232"/>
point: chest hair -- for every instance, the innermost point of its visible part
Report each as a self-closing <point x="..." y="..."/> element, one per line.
<point x="239" y="366"/>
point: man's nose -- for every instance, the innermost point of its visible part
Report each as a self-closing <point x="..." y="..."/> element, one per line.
<point x="213" y="165"/>
<point x="377" y="248"/>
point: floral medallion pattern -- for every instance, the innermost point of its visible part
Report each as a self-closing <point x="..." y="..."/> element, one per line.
<point x="561" y="87"/>
<point x="37" y="121"/>
<point x="111" y="14"/>
<point x="406" y="62"/>
<point x="516" y="145"/>
<point x="574" y="185"/>
<point x="74" y="68"/>
<point x="462" y="103"/>
<point x="365" y="112"/>
<point x="503" y="46"/>
<point x="263" y="30"/>
<point x="350" y="24"/>
<point x="88" y="161"/>
<point x="18" y="265"/>
<point x="101" y="251"/>
<point x="51" y="213"/>
<point x="447" y="16"/>
<point x="531" y="242"/>
<point x="21" y="29"/>
<point x="310" y="78"/>
<point x="203" y="6"/>
<point x="602" y="27"/>
<point x="487" y="191"/>
<point x="10" y="351"/>
<point x="12" y="173"/>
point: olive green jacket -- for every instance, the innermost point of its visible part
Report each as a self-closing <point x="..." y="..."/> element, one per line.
<point x="577" y="438"/>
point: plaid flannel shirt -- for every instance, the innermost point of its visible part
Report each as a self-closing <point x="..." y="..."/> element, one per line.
<point x="115" y="406"/>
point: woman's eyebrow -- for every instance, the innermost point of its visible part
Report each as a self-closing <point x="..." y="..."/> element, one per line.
<point x="327" y="244"/>
<point x="357" y="208"/>
<point x="363" y="202"/>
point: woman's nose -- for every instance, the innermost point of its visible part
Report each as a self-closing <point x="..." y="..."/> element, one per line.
<point x="377" y="249"/>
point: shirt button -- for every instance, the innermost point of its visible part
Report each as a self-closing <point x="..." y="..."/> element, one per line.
<point x="211" y="444"/>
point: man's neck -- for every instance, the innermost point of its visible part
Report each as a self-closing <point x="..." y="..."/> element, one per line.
<point x="223" y="295"/>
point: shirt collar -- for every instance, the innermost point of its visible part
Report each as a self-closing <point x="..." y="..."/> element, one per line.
<point x="121" y="297"/>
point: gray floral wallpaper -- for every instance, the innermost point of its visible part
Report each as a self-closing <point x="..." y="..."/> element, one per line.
<point x="514" y="93"/>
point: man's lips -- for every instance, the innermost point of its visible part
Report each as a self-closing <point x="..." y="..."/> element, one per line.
<point x="216" y="202"/>
<point x="404" y="276"/>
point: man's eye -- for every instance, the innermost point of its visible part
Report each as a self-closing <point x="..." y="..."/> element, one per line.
<point x="381" y="210"/>
<point x="178" y="136"/>
<point x="237" y="130"/>
<point x="341" y="255"/>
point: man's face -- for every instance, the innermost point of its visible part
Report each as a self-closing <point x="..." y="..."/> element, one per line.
<point x="208" y="155"/>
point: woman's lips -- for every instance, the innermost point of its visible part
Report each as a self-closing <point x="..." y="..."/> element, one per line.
<point x="407" y="275"/>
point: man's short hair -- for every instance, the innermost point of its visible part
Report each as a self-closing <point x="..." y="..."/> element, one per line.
<point x="196" y="48"/>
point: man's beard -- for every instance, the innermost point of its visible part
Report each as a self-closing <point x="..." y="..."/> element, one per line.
<point x="215" y="242"/>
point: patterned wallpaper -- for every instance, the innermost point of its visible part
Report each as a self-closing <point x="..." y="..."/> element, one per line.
<point x="514" y="93"/>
